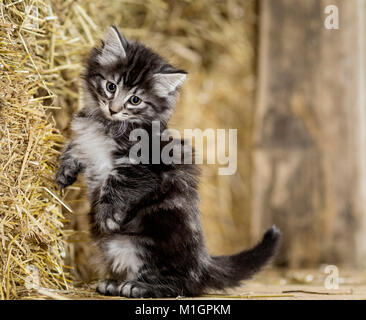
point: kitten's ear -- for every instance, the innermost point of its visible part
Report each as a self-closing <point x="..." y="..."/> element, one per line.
<point x="166" y="83"/>
<point x="115" y="46"/>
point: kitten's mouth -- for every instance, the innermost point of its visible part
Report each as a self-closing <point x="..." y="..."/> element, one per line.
<point x="120" y="116"/>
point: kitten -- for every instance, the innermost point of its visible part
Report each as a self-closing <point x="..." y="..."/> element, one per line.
<point x="144" y="217"/>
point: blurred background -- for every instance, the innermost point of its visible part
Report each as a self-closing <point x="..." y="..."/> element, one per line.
<point x="294" y="89"/>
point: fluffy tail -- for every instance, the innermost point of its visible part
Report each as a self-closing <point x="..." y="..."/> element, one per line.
<point x="227" y="271"/>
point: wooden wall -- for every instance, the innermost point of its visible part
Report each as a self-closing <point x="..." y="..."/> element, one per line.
<point x="309" y="154"/>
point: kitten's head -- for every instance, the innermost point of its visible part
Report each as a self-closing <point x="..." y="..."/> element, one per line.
<point x="127" y="82"/>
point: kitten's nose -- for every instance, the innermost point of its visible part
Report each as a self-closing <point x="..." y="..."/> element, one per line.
<point x="113" y="110"/>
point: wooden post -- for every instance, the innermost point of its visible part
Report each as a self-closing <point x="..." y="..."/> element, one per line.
<point x="309" y="153"/>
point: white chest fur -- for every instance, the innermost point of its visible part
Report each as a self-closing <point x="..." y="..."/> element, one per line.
<point x="94" y="149"/>
<point x="123" y="256"/>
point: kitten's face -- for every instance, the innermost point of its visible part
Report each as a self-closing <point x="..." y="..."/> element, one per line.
<point x="128" y="82"/>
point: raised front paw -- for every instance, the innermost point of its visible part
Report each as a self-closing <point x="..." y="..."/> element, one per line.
<point x="108" y="218"/>
<point x="65" y="176"/>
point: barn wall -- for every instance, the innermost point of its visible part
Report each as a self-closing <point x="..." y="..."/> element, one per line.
<point x="310" y="131"/>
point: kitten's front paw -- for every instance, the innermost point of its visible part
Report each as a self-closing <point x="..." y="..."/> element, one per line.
<point x="65" y="177"/>
<point x="109" y="218"/>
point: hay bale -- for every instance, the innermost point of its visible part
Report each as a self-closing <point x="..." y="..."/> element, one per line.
<point x="39" y="43"/>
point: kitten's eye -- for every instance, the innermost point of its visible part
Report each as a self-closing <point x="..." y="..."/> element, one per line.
<point x="111" y="87"/>
<point x="135" y="100"/>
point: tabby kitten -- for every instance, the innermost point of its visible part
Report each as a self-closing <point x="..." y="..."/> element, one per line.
<point x="144" y="217"/>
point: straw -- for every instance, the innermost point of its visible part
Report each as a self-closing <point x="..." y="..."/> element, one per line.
<point x="36" y="48"/>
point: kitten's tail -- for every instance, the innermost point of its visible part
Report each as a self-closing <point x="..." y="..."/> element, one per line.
<point x="227" y="271"/>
